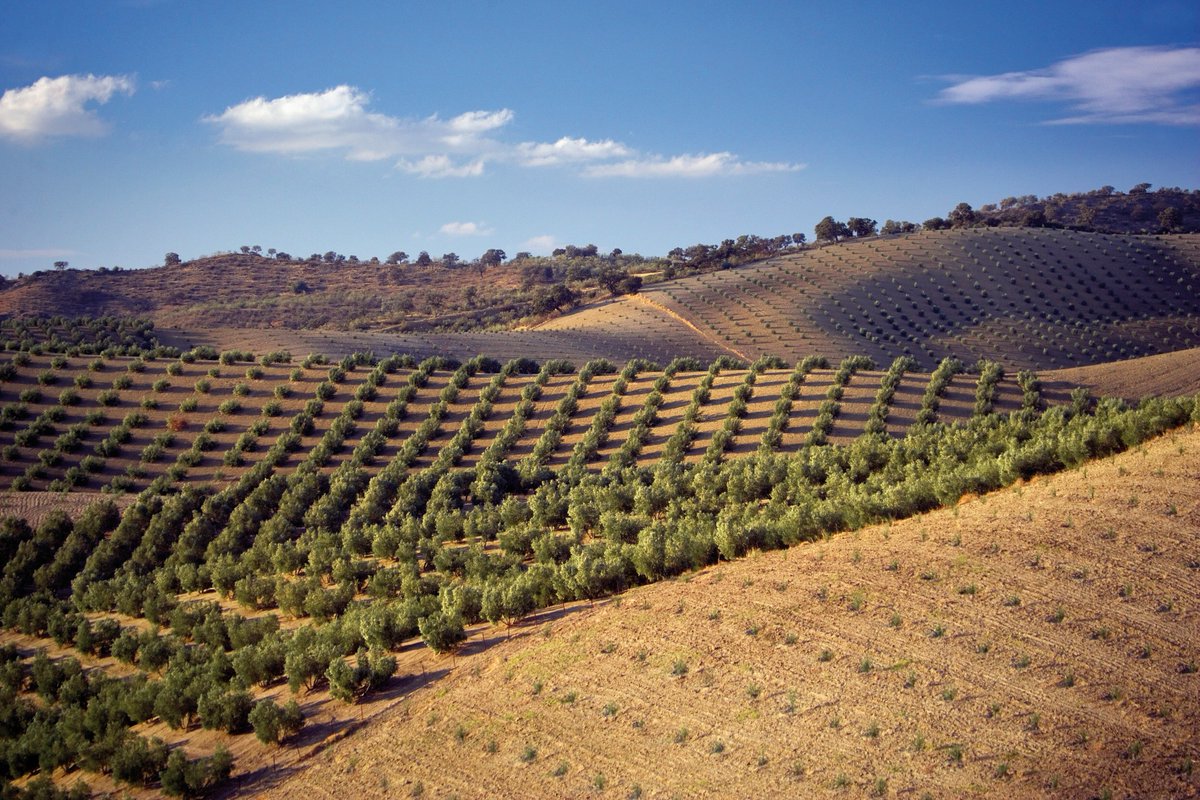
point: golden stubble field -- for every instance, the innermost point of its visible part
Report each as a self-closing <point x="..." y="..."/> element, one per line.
<point x="1039" y="642"/>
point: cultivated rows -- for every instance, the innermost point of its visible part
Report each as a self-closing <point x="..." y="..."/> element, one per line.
<point x="1033" y="299"/>
<point x="88" y="423"/>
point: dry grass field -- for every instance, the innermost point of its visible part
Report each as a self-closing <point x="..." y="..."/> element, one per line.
<point x="1041" y="641"/>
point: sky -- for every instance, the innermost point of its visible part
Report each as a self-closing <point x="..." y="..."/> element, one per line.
<point x="130" y="128"/>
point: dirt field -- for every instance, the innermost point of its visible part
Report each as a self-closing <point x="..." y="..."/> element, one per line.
<point x="1039" y="642"/>
<point x="1167" y="374"/>
<point x="34" y="507"/>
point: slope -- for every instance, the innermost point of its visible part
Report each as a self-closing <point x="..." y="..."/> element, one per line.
<point x="1029" y="298"/>
<point x="1038" y="642"/>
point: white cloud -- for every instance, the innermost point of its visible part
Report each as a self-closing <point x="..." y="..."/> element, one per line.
<point x="567" y="150"/>
<point x="465" y="229"/>
<point x="1116" y="85"/>
<point x="687" y="166"/>
<point x="58" y="106"/>
<point x="540" y="245"/>
<point x="481" y="121"/>
<point x="338" y="120"/>
<point x="441" y="166"/>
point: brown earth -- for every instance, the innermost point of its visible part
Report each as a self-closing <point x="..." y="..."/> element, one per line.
<point x="1041" y="641"/>
<point x="1168" y="374"/>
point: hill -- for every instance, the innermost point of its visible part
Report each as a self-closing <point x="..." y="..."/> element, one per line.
<point x="1031" y="298"/>
<point x="1028" y="298"/>
<point x="1036" y="642"/>
<point x="125" y="423"/>
<point x="296" y="528"/>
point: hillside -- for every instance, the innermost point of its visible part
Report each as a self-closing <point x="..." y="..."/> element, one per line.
<point x="1036" y="642"/>
<point x="129" y="422"/>
<point x="1029" y="298"/>
<point x="301" y="533"/>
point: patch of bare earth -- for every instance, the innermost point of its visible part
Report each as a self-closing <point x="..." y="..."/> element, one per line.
<point x="1168" y="374"/>
<point x="35" y="507"/>
<point x="1038" y="642"/>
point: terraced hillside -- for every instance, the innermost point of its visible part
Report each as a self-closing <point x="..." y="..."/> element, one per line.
<point x="1029" y="298"/>
<point x="76" y="423"/>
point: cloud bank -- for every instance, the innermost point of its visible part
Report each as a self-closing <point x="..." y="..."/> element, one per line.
<point x="59" y="106"/>
<point x="1118" y="85"/>
<point x="338" y="120"/>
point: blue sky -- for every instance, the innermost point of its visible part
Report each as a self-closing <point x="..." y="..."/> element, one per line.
<point x="128" y="129"/>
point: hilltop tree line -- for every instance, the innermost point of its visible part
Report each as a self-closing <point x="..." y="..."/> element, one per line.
<point x="1104" y="210"/>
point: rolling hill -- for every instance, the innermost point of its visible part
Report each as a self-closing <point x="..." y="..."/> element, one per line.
<point x="127" y="422"/>
<point x="240" y="531"/>
<point x="1036" y="642"/>
<point x="1029" y="298"/>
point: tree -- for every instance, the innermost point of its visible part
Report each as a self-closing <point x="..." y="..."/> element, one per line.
<point x="891" y="227"/>
<point x="963" y="216"/>
<point x="139" y="761"/>
<point x="553" y="298"/>
<point x="861" y="226"/>
<point x="273" y="723"/>
<point x="935" y="224"/>
<point x="185" y="778"/>
<point x="441" y="631"/>
<point x="492" y="258"/>
<point x="171" y="259"/>
<point x="423" y="259"/>
<point x="830" y="230"/>
<point x="450" y="260"/>
<point x="1169" y="219"/>
<point x="397" y="257"/>
<point x="799" y="239"/>
<point x="61" y="265"/>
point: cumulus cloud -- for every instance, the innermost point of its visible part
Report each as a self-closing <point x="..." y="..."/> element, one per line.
<point x="59" y="106"/>
<point x="569" y="151"/>
<point x="687" y="166"/>
<point x="465" y="229"/>
<point x="441" y="166"/>
<point x="339" y="120"/>
<point x="1115" y="85"/>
